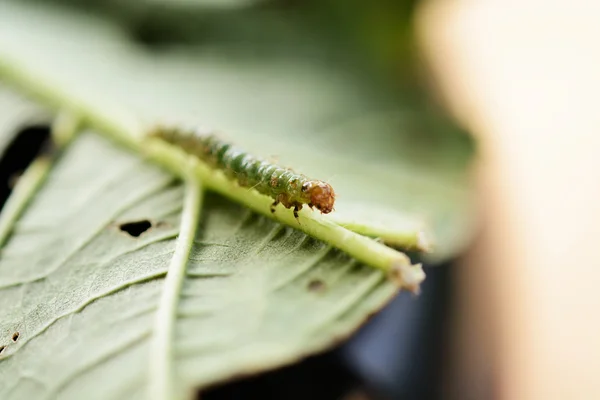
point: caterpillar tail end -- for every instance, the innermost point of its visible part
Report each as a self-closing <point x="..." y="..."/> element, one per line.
<point x="408" y="276"/>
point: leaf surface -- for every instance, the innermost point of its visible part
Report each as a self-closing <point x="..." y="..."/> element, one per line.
<point x="82" y="275"/>
<point x="256" y="294"/>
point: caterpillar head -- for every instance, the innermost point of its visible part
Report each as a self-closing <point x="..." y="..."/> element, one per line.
<point x="320" y="195"/>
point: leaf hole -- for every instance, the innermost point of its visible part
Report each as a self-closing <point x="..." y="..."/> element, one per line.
<point x="2" y="349"/>
<point x="15" y="336"/>
<point x="22" y="150"/>
<point x="317" y="285"/>
<point x="136" y="228"/>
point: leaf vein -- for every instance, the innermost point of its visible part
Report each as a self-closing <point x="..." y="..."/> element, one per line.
<point x="112" y="290"/>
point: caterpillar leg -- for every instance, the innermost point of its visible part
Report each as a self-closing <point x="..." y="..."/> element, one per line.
<point x="297" y="208"/>
<point x="310" y="205"/>
<point x="274" y="205"/>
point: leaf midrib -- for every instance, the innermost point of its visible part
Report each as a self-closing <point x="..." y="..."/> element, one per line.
<point x="161" y="378"/>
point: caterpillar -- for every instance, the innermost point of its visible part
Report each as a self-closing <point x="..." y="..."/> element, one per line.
<point x="283" y="185"/>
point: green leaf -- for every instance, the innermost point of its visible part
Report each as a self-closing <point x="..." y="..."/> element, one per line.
<point x="83" y="294"/>
<point x="84" y="282"/>
<point x="394" y="163"/>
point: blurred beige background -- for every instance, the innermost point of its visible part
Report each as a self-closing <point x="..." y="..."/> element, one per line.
<point x="524" y="76"/>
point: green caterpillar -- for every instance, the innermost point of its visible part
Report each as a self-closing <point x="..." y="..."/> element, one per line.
<point x="281" y="184"/>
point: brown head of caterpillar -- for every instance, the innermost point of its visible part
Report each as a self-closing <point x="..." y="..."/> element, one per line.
<point x="320" y="195"/>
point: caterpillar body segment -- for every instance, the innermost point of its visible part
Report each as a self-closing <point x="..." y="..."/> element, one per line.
<point x="283" y="185"/>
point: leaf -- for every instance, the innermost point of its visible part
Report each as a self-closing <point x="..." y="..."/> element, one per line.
<point x="82" y="294"/>
<point x="82" y="278"/>
<point x="394" y="163"/>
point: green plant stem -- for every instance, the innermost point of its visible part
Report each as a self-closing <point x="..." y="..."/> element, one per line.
<point x="410" y="239"/>
<point x="63" y="129"/>
<point x="362" y="248"/>
<point x="26" y="186"/>
<point x="162" y="386"/>
<point x="114" y="123"/>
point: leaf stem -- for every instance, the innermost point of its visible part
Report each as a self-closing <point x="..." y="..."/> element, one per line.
<point x="113" y="122"/>
<point x="364" y="249"/>
<point x="162" y="386"/>
<point x="63" y="129"/>
<point x="408" y="239"/>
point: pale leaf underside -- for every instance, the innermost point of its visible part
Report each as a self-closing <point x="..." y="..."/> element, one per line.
<point x="256" y="294"/>
<point x="83" y="294"/>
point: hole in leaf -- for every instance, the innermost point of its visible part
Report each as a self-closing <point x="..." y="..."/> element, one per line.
<point x="136" y="228"/>
<point x="317" y="285"/>
<point x="15" y="336"/>
<point x="25" y="146"/>
<point x="2" y="349"/>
